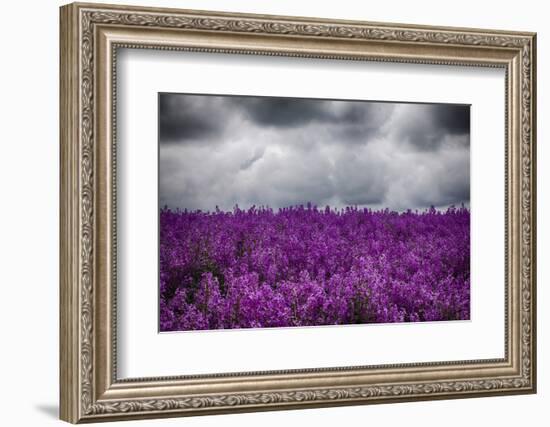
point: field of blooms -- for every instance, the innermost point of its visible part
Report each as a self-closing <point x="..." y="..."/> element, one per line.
<point x="304" y="266"/>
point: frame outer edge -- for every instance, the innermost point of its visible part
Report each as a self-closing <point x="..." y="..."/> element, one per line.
<point x="534" y="269"/>
<point x="69" y="354"/>
<point x="304" y="19"/>
<point x="77" y="339"/>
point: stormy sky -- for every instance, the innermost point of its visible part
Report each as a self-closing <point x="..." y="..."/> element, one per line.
<point x="235" y="150"/>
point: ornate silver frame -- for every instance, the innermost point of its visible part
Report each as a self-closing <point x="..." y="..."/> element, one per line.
<point x="90" y="36"/>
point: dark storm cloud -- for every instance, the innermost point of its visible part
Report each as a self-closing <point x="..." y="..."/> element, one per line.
<point x="194" y="118"/>
<point x="190" y="118"/>
<point x="283" y="112"/>
<point x="349" y="121"/>
<point x="293" y="112"/>
<point x="454" y="119"/>
<point x="228" y="150"/>
<point x="428" y="124"/>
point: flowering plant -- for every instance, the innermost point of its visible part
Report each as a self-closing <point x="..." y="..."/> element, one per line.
<point x="305" y="266"/>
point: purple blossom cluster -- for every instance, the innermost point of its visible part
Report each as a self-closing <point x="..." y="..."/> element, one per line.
<point x="305" y="266"/>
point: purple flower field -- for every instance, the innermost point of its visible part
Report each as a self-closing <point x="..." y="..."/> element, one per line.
<point x="304" y="266"/>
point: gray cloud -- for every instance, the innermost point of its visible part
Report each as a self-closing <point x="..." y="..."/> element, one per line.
<point x="249" y="162"/>
<point x="293" y="112"/>
<point x="228" y="150"/>
<point x="426" y="125"/>
<point x="191" y="119"/>
<point x="283" y="112"/>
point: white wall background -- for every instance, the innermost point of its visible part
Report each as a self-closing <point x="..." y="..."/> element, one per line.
<point x="29" y="171"/>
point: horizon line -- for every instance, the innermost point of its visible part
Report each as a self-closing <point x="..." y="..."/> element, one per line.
<point x="311" y="206"/>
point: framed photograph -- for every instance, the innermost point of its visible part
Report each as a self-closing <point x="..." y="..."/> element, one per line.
<point x="267" y="212"/>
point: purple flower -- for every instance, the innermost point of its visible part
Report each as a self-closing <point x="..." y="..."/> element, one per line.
<point x="304" y="266"/>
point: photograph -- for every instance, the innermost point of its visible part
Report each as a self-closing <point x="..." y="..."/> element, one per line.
<point x="303" y="212"/>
